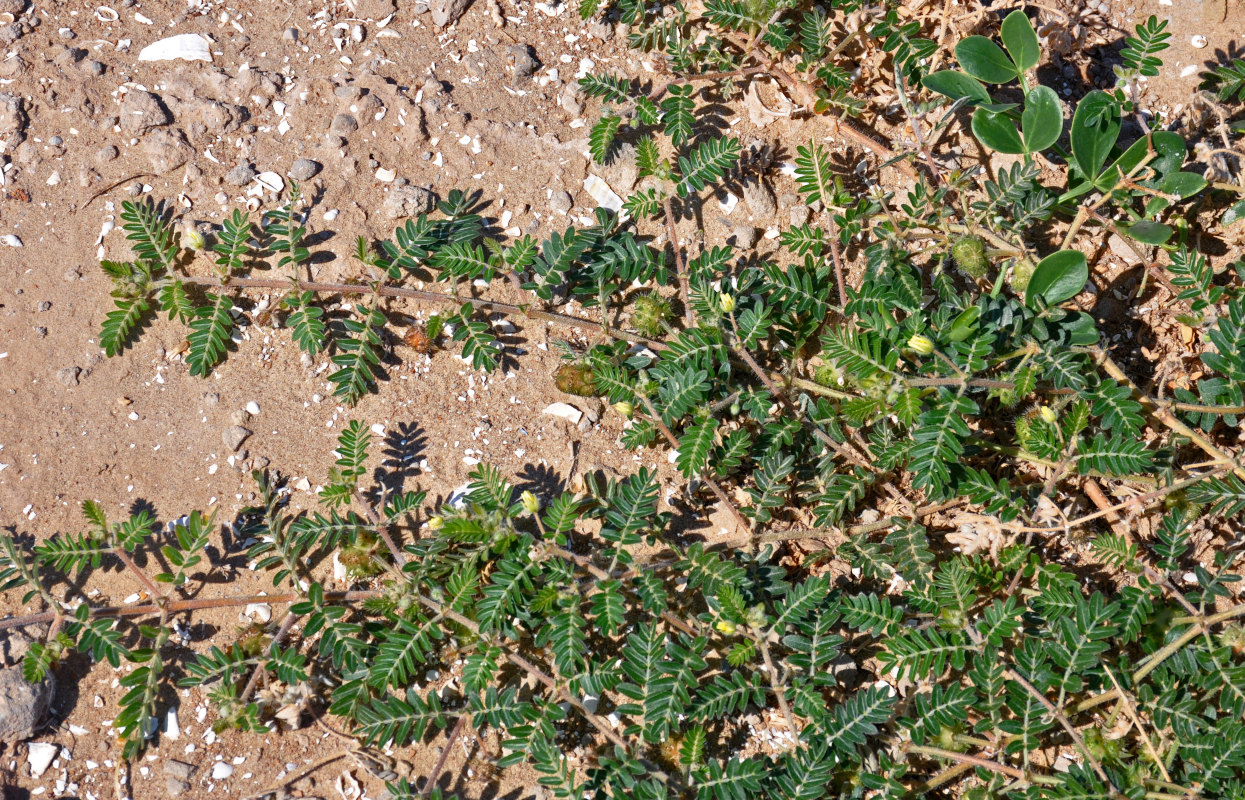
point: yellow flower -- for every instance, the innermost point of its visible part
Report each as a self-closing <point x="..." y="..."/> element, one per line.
<point x="624" y="408"/>
<point x="436" y="523"/>
<point x="921" y="344"/>
<point x="725" y="626"/>
<point x="193" y="239"/>
<point x="530" y="502"/>
<point x="728" y="302"/>
<point x="1047" y="413"/>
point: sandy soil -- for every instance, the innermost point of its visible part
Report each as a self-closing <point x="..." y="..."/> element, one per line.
<point x="472" y="105"/>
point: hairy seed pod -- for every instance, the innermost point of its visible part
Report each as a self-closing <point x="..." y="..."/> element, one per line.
<point x="829" y="375"/>
<point x="575" y="379"/>
<point x="1021" y="273"/>
<point x="969" y="254"/>
<point x="651" y="310"/>
<point x="1233" y="636"/>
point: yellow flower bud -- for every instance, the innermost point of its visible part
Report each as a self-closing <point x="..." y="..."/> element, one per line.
<point x="436" y="523"/>
<point x="728" y="302"/>
<point x="624" y="408"/>
<point x="725" y="626"/>
<point x="921" y="344"/>
<point x="530" y="502"/>
<point x="1047" y="413"/>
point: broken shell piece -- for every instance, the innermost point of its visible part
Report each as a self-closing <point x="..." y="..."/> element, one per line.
<point x="728" y="203"/>
<point x="602" y="193"/>
<point x="385" y="175"/>
<point x="186" y="46"/>
<point x="11" y="240"/>
<point x="106" y="14"/>
<point x="105" y="229"/>
<point x="260" y="611"/>
<point x="565" y="411"/>
<point x="267" y="180"/>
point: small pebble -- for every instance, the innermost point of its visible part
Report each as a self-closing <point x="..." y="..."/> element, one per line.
<point x="561" y="202"/>
<point x="343" y="125"/>
<point x="241" y="175"/>
<point x="304" y="169"/>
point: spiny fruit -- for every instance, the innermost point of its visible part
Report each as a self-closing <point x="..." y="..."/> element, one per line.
<point x="575" y="379"/>
<point x="969" y="253"/>
<point x="417" y="338"/>
<point x="651" y="310"/>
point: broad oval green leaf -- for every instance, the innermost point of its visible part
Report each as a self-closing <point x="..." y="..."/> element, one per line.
<point x="1095" y="127"/>
<point x="1081" y="329"/>
<point x="984" y="60"/>
<point x="997" y="132"/>
<point x="1042" y="120"/>
<point x="1234" y="214"/>
<point x="1147" y="231"/>
<point x="1021" y="41"/>
<point x="1058" y="277"/>
<point x="955" y="84"/>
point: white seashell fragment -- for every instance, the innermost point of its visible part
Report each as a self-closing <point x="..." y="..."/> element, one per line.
<point x="172" y="729"/>
<point x="565" y="411"/>
<point x="728" y="203"/>
<point x="11" y="240"/>
<point x="259" y="611"/>
<point x="1198" y="41"/>
<point x="252" y="408"/>
<point x="270" y="181"/>
<point x="143" y="18"/>
<point x="386" y="175"/>
<point x="186" y="46"/>
<point x="221" y="770"/>
<point x="106" y="14"/>
<point x="600" y="191"/>
<point x="39" y="755"/>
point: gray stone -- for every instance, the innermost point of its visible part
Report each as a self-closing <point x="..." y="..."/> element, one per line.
<point x="343" y="125"/>
<point x="179" y="770"/>
<point x="405" y="200"/>
<point x="525" y="61"/>
<point x="13" y="7"/>
<point x="175" y="788"/>
<point x="349" y="92"/>
<point x="13" y="118"/>
<point x="234" y="436"/>
<point x="759" y="199"/>
<point x="291" y="35"/>
<point x="622" y="173"/>
<point x="745" y="236"/>
<point x="23" y="707"/>
<point x="304" y="169"/>
<point x="446" y="12"/>
<point x="800" y="214"/>
<point x="561" y="202"/>
<point x="240" y="175"/>
<point x="141" y="112"/>
<point x="166" y="150"/>
<point x="845" y="671"/>
<point x="601" y="30"/>
<point x="572" y="99"/>
<point x="68" y="376"/>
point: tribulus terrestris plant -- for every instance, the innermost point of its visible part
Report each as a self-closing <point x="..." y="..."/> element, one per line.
<point x="910" y="388"/>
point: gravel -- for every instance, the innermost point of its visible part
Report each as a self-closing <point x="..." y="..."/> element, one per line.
<point x="68" y="376"/>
